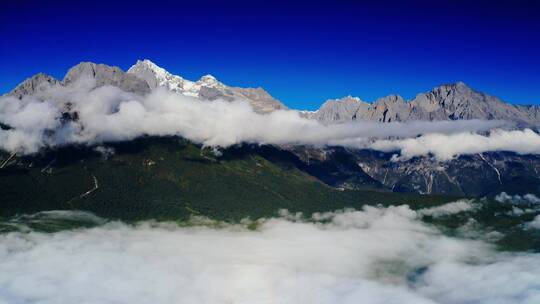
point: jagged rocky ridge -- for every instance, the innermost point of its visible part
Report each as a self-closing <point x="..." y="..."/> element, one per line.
<point x="475" y="175"/>
<point x="144" y="76"/>
<point x="206" y="88"/>
<point x="446" y="102"/>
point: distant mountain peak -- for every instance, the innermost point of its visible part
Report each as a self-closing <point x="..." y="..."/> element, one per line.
<point x="452" y="101"/>
<point x="209" y="77"/>
<point x="348" y="98"/>
<point x="156" y="76"/>
<point x="207" y="87"/>
<point x="210" y="81"/>
<point x="34" y="84"/>
<point x="146" y="63"/>
<point x="149" y="63"/>
<point x="455" y="86"/>
<point x="104" y="74"/>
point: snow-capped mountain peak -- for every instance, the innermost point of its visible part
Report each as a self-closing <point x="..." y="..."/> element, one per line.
<point x="157" y="76"/>
<point x="150" y="65"/>
<point x="208" y="77"/>
<point x="207" y="87"/>
<point x="209" y="81"/>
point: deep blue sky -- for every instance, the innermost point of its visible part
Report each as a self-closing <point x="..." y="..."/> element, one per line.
<point x="302" y="52"/>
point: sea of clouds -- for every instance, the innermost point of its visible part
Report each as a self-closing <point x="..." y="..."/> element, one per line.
<point x="110" y="114"/>
<point x="375" y="255"/>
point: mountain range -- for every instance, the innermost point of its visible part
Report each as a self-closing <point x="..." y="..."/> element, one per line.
<point x="446" y="102"/>
<point x="455" y="101"/>
<point x="341" y="169"/>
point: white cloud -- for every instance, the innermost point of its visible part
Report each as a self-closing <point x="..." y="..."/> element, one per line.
<point x="447" y="146"/>
<point x="527" y="199"/>
<point x="377" y="255"/>
<point x="521" y="204"/>
<point x="109" y="114"/>
<point x="535" y="223"/>
<point x="449" y="208"/>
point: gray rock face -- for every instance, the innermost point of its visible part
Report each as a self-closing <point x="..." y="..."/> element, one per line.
<point x="386" y="109"/>
<point x="532" y="111"/>
<point x="458" y="101"/>
<point x="106" y="75"/>
<point x="209" y="93"/>
<point x="261" y="101"/>
<point x="340" y="110"/>
<point x="206" y="88"/>
<point x="467" y="175"/>
<point x="446" y="102"/>
<point x="33" y="85"/>
<point x="100" y="73"/>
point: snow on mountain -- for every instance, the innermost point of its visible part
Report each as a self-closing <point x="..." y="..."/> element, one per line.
<point x="207" y="88"/>
<point x="156" y="76"/>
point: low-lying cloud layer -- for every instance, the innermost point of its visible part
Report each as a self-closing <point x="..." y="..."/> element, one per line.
<point x="450" y="208"/>
<point x="377" y="255"/>
<point x="516" y="199"/>
<point x="521" y="204"/>
<point x="110" y="114"/>
<point x="447" y="146"/>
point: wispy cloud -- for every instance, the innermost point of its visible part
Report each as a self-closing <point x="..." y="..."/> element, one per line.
<point x="450" y="208"/>
<point x="447" y="146"/>
<point x="109" y="114"/>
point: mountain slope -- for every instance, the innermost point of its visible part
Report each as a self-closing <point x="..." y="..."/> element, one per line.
<point x="477" y="175"/>
<point x="169" y="178"/>
<point x="172" y="179"/>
